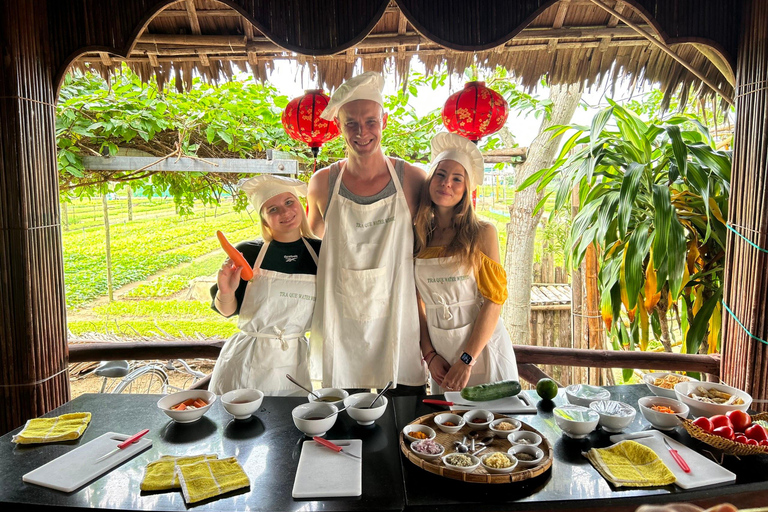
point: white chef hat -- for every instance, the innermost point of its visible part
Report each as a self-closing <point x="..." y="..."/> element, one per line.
<point x="367" y="86"/>
<point x="449" y="146"/>
<point x="261" y="189"/>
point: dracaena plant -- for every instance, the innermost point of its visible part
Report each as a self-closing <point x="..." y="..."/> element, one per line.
<point x="653" y="198"/>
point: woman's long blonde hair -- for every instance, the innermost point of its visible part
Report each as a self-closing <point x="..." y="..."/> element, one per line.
<point x="466" y="241"/>
<point x="306" y="231"/>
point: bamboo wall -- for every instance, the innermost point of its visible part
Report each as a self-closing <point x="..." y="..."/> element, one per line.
<point x="32" y="313"/>
<point x="745" y="360"/>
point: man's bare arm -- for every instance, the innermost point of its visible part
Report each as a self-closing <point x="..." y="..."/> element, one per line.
<point x="413" y="179"/>
<point x="317" y="197"/>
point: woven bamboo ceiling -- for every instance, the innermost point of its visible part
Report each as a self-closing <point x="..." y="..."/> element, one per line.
<point x="568" y="41"/>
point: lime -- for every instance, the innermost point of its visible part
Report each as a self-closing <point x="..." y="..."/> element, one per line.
<point x="547" y="389"/>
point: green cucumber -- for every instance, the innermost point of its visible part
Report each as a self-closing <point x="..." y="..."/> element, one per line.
<point x="491" y="391"/>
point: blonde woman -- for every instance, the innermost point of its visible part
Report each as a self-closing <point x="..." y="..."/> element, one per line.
<point x="460" y="282"/>
<point x="275" y="307"/>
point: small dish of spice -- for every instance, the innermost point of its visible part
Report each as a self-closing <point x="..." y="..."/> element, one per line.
<point x="527" y="455"/>
<point x="478" y="419"/>
<point x="524" y="437"/>
<point x="502" y="427"/>
<point x="498" y="462"/>
<point x="417" y="432"/>
<point x="463" y="462"/>
<point x="427" y="449"/>
<point x="449" y="423"/>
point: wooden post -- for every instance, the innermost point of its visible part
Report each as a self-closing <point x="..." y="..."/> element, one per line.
<point x="746" y="283"/>
<point x="33" y="326"/>
<point x="130" y="202"/>
<point x="107" y="247"/>
<point x="592" y="308"/>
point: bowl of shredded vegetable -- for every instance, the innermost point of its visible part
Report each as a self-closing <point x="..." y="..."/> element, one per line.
<point x="187" y="406"/>
<point x="661" y="412"/>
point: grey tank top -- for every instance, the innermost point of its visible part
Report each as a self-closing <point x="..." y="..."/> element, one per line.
<point x="387" y="191"/>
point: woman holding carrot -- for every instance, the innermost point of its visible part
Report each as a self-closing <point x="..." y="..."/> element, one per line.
<point x="275" y="307"/>
<point x="460" y="282"/>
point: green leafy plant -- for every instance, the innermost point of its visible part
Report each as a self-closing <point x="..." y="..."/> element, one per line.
<point x="654" y="198"/>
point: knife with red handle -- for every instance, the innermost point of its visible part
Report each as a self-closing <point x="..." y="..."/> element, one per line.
<point x="334" y="447"/>
<point x="446" y="403"/>
<point x="678" y="458"/>
<point x="125" y="444"/>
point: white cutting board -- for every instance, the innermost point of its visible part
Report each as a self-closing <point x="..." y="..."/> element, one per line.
<point x="704" y="471"/>
<point x="76" y="468"/>
<point x="519" y="404"/>
<point x="324" y="473"/>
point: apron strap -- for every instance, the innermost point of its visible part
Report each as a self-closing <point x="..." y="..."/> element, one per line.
<point x="261" y="255"/>
<point x="310" y="249"/>
<point x="279" y="335"/>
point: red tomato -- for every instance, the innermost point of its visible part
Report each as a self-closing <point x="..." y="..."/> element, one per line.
<point x="721" y="420"/>
<point x="757" y="432"/>
<point x="752" y="442"/>
<point x="741" y="439"/>
<point x="763" y="443"/>
<point x="726" y="432"/>
<point x="704" y="424"/>
<point x="740" y="420"/>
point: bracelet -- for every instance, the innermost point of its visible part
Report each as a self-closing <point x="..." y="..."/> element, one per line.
<point x="433" y="351"/>
<point x="218" y="298"/>
<point x="434" y="355"/>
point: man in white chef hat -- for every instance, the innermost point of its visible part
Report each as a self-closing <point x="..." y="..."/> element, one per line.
<point x="366" y="317"/>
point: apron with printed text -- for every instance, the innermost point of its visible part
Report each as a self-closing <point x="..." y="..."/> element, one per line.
<point x="366" y="320"/>
<point x="453" y="302"/>
<point x="275" y="315"/>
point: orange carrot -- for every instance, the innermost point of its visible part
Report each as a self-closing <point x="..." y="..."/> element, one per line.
<point x="236" y="256"/>
<point x="663" y="408"/>
<point x="179" y="407"/>
<point x="200" y="402"/>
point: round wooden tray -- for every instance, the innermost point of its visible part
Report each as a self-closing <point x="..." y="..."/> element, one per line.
<point x="479" y="475"/>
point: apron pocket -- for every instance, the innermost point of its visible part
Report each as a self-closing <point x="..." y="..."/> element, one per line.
<point x="268" y="353"/>
<point x="449" y="343"/>
<point x="363" y="293"/>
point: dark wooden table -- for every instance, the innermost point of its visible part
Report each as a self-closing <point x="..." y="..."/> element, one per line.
<point x="268" y="447"/>
<point x="572" y="483"/>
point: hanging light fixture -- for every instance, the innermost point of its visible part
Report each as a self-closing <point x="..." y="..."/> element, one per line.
<point x="474" y="112"/>
<point x="302" y="122"/>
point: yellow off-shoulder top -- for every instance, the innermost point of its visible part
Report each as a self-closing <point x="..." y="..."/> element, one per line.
<point x="491" y="276"/>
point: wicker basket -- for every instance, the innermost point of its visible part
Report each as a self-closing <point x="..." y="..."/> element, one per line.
<point x="727" y="446"/>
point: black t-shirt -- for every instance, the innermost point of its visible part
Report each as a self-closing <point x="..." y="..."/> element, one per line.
<point x="288" y="258"/>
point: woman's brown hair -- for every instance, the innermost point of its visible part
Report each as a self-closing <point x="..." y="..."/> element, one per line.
<point x="466" y="241"/>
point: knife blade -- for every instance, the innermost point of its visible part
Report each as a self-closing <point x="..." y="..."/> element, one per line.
<point x="335" y="447"/>
<point x="678" y="458"/>
<point x="125" y="444"/>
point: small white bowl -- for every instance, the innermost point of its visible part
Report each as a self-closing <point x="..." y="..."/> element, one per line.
<point x="534" y="451"/>
<point x="427" y="456"/>
<point x="329" y="392"/>
<point x="683" y="389"/>
<point x="467" y="469"/>
<point x="662" y="420"/>
<point x="499" y="471"/>
<point x="650" y="378"/>
<point x="525" y="438"/>
<point x="187" y="415"/>
<point x="457" y="420"/>
<point x="614" y="416"/>
<point x="311" y="418"/>
<point x="575" y="421"/>
<point x="584" y="394"/>
<point x="504" y="433"/>
<point x="475" y="414"/>
<point x="242" y="403"/>
<point x="417" y="428"/>
<point x="356" y="402"/>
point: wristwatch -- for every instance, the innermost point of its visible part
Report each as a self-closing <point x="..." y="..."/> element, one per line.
<point x="467" y="359"/>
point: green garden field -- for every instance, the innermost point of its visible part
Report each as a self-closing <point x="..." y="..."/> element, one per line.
<point x="156" y="258"/>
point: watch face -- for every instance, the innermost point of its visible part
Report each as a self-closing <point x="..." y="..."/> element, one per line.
<point x="466" y="358"/>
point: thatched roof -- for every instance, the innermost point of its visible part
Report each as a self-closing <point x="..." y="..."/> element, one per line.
<point x="568" y="41"/>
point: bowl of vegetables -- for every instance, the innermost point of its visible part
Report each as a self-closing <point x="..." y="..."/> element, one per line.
<point x="661" y="412"/>
<point x="187" y="406"/>
<point x="711" y="398"/>
<point x="427" y="449"/>
<point x="575" y="421"/>
<point x="416" y="432"/>
<point x="663" y="383"/>
<point x="498" y="462"/>
<point x="614" y="416"/>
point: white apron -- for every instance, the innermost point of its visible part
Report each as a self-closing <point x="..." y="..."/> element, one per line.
<point x="274" y="318"/>
<point x="366" y="320"/>
<point x="453" y="302"/>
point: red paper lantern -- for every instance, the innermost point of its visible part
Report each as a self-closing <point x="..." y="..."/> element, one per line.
<point x="475" y="111"/>
<point x="302" y="121"/>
